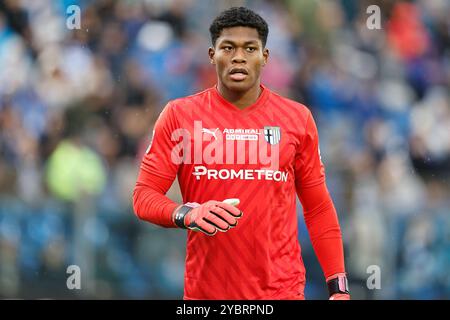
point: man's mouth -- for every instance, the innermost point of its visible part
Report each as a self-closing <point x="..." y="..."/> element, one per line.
<point x="238" y="74"/>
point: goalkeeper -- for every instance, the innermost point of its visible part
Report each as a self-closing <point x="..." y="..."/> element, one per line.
<point x="241" y="154"/>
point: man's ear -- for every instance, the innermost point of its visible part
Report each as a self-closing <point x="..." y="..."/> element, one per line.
<point x="265" y="56"/>
<point x="211" y="53"/>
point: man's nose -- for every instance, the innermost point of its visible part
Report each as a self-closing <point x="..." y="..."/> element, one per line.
<point x="239" y="57"/>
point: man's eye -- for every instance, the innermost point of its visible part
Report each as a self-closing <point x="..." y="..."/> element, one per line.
<point x="251" y="49"/>
<point x="227" y="48"/>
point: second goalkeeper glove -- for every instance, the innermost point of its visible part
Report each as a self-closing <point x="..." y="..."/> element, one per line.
<point x="209" y="217"/>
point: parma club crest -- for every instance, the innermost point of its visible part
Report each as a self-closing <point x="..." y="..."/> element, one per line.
<point x="272" y="134"/>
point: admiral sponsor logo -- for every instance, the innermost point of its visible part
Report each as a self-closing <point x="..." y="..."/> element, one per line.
<point x="242" y="134"/>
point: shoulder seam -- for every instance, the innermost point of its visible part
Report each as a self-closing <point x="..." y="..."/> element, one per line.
<point x="306" y="126"/>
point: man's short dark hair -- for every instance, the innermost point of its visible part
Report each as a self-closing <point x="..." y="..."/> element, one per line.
<point x="239" y="17"/>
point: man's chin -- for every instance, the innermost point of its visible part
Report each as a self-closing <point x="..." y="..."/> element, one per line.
<point x="238" y="86"/>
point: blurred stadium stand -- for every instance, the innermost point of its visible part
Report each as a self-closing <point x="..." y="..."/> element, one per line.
<point x="77" y="109"/>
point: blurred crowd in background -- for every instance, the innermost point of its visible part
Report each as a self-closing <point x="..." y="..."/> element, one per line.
<point x="77" y="108"/>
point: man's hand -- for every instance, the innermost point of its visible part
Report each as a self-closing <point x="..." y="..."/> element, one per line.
<point x="209" y="217"/>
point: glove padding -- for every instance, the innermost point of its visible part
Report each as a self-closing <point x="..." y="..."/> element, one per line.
<point x="212" y="216"/>
<point x="340" y="296"/>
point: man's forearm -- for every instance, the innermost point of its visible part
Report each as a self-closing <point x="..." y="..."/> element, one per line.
<point x="323" y="227"/>
<point x="149" y="200"/>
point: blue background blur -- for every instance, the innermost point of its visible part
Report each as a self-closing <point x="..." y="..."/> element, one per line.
<point x="77" y="108"/>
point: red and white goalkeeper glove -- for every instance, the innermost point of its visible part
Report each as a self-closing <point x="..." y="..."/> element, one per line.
<point x="338" y="287"/>
<point x="209" y="217"/>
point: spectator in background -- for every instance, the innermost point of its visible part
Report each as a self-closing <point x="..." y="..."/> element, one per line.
<point x="73" y="169"/>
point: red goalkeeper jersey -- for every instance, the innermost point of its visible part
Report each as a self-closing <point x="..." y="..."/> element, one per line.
<point x="263" y="155"/>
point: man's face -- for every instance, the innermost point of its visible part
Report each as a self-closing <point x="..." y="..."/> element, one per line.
<point x="239" y="56"/>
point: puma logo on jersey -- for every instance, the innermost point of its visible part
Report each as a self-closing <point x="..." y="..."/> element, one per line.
<point x="208" y="131"/>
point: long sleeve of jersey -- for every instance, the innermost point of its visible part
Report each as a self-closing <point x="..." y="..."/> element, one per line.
<point x="156" y="175"/>
<point x="319" y="212"/>
<point x="149" y="200"/>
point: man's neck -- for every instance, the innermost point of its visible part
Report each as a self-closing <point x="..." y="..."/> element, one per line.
<point x="242" y="99"/>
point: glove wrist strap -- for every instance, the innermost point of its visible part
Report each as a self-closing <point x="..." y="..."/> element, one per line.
<point x="180" y="214"/>
<point x="338" y="285"/>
